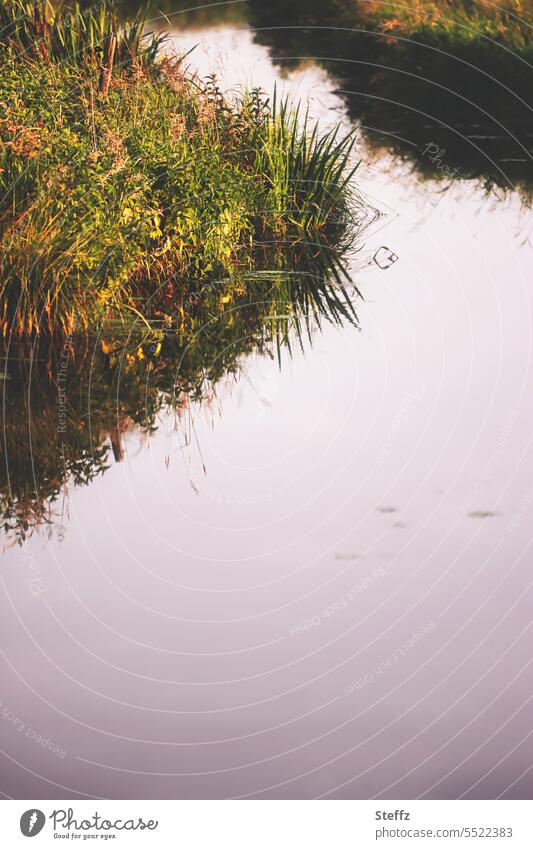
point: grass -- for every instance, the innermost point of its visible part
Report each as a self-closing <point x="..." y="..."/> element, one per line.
<point x="162" y="228"/>
<point x="47" y="32"/>
<point x="457" y="23"/>
<point x="122" y="174"/>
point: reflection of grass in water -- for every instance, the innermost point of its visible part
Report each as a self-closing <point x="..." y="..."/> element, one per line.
<point x="124" y="377"/>
<point x="120" y="172"/>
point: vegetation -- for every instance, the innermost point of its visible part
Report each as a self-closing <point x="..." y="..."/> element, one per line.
<point x="192" y="14"/>
<point x="457" y="22"/>
<point x="44" y="32"/>
<point x="152" y="232"/>
<point x="447" y="23"/>
<point x="122" y="174"/>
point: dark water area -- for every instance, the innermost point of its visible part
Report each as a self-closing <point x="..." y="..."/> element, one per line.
<point x="467" y="109"/>
<point x="288" y="556"/>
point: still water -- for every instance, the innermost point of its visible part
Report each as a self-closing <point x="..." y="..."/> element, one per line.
<point x="317" y="583"/>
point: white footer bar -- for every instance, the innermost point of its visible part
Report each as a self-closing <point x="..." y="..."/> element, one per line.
<point x="268" y="824"/>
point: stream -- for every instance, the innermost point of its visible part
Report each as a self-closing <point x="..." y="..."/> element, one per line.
<point x="316" y="584"/>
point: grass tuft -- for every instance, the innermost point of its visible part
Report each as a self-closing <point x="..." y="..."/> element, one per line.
<point x="46" y="32"/>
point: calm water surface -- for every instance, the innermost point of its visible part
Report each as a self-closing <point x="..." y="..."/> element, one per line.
<point x="319" y="584"/>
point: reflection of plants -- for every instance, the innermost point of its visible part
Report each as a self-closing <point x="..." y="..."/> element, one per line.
<point x="138" y="199"/>
<point x="475" y="25"/>
<point x="454" y="73"/>
<point x="191" y="14"/>
<point x="186" y="342"/>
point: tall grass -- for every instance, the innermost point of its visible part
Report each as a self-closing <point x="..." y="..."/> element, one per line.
<point x="309" y="170"/>
<point x="51" y="32"/>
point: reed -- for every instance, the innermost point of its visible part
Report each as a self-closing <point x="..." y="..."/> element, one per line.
<point x="51" y="32"/>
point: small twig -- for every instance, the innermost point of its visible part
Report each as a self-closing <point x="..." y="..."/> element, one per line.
<point x="93" y="123"/>
<point x="105" y="73"/>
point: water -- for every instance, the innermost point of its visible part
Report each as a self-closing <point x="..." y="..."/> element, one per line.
<point x="318" y="583"/>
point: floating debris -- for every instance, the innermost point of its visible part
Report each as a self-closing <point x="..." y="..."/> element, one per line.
<point x="384" y="258"/>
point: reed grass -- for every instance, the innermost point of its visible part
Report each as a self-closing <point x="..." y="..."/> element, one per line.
<point x="51" y="32"/>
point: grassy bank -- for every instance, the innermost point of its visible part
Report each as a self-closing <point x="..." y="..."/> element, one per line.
<point x="456" y="23"/>
<point x="123" y="176"/>
<point x="450" y="24"/>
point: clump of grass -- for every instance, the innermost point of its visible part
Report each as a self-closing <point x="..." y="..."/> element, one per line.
<point x="40" y="30"/>
<point x="308" y="176"/>
<point x="121" y="173"/>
